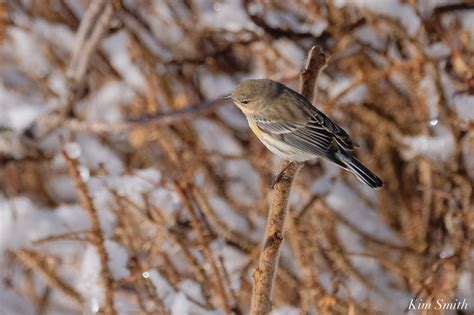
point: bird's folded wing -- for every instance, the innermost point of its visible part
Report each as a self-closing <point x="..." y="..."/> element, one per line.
<point x="306" y="137"/>
<point x="317" y="119"/>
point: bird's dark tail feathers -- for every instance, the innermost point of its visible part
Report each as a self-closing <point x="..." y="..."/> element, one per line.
<point x="358" y="169"/>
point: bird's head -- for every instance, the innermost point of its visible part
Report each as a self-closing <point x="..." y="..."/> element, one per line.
<point x="249" y="95"/>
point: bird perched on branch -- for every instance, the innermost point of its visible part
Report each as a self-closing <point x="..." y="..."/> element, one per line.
<point x="292" y="128"/>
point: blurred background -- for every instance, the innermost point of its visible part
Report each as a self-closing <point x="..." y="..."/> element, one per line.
<point x="167" y="217"/>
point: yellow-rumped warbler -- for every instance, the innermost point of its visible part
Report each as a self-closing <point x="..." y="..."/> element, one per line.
<point x="292" y="128"/>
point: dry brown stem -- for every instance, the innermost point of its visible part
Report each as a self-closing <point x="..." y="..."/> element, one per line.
<point x="157" y="219"/>
<point x="221" y="228"/>
<point x="33" y="260"/>
<point x="265" y="273"/>
<point x="91" y="30"/>
<point x="98" y="238"/>
<point x="298" y="240"/>
<point x="203" y="238"/>
<point x="3" y="19"/>
<point x="161" y="119"/>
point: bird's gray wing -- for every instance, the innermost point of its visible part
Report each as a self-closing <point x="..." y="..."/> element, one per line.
<point x="318" y="120"/>
<point x="304" y="136"/>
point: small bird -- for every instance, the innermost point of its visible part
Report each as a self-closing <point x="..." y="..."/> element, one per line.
<point x="292" y="128"/>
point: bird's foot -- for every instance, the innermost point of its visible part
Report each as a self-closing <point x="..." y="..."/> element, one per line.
<point x="277" y="177"/>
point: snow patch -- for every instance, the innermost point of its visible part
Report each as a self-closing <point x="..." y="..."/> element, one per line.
<point x="438" y="147"/>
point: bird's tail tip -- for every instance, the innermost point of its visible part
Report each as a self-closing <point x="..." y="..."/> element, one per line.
<point x="360" y="171"/>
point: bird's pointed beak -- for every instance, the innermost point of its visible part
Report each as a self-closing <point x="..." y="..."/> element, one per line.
<point x="227" y="97"/>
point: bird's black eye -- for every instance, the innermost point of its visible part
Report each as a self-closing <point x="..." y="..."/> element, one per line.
<point x="245" y="102"/>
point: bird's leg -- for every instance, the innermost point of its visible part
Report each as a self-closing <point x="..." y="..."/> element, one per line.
<point x="278" y="176"/>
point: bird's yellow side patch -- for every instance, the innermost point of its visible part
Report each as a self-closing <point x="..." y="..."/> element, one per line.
<point x="256" y="130"/>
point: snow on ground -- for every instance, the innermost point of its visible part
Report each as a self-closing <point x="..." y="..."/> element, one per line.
<point x="18" y="110"/>
<point x="22" y="222"/>
<point x="464" y="105"/>
<point x="440" y="146"/>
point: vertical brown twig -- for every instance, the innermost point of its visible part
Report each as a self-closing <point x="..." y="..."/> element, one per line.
<point x="203" y="238"/>
<point x="98" y="238"/>
<point x="299" y="241"/>
<point x="3" y="19"/>
<point x="265" y="273"/>
<point x="315" y="63"/>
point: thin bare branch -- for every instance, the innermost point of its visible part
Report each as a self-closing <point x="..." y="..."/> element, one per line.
<point x="98" y="237"/>
<point x="315" y="63"/>
<point x="32" y="259"/>
<point x="265" y="273"/>
<point x="91" y="31"/>
<point x="203" y="237"/>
